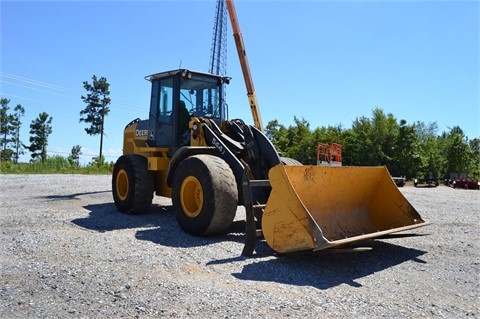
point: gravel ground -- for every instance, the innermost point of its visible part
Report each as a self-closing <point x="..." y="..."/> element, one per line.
<point x="67" y="253"/>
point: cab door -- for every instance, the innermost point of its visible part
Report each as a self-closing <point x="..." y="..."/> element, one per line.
<point x="161" y="119"/>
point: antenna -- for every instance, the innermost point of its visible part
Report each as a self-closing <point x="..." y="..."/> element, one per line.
<point x="218" y="54"/>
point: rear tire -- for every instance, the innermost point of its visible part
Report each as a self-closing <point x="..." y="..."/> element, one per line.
<point x="132" y="184"/>
<point x="204" y="195"/>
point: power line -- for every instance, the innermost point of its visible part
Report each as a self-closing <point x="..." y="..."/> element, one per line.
<point x="18" y="97"/>
<point x="52" y="89"/>
<point x="32" y="81"/>
<point x="33" y="88"/>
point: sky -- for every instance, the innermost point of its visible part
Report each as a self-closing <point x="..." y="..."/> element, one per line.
<point x="327" y="62"/>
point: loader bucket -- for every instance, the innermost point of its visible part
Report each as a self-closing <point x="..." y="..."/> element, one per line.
<point x="319" y="207"/>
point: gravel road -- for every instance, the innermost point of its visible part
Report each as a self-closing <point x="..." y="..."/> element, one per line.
<point x="67" y="253"/>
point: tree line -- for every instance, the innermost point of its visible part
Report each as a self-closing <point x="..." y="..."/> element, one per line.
<point x="415" y="150"/>
<point x="11" y="143"/>
<point x="410" y="150"/>
<point x="97" y="100"/>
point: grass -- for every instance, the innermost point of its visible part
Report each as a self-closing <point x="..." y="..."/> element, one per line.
<point x="54" y="165"/>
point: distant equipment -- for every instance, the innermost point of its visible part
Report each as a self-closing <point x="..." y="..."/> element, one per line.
<point x="329" y="155"/>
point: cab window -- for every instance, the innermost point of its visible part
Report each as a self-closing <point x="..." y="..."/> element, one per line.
<point x="163" y="96"/>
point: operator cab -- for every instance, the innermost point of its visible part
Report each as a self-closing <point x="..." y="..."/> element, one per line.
<point x="179" y="95"/>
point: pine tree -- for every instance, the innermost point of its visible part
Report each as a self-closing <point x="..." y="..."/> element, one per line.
<point x="5" y="129"/>
<point x="74" y="157"/>
<point x="40" y="128"/>
<point x="16" y="125"/>
<point x="97" y="101"/>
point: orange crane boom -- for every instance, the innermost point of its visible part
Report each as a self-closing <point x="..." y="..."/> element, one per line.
<point x="252" y="97"/>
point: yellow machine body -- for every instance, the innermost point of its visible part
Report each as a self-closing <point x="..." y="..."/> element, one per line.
<point x="157" y="157"/>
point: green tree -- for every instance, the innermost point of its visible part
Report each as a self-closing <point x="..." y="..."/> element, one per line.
<point x="330" y="134"/>
<point x="361" y="149"/>
<point x="277" y="134"/>
<point x="475" y="146"/>
<point x="16" y="125"/>
<point x="459" y="156"/>
<point x="430" y="150"/>
<point x="5" y="129"/>
<point x="97" y="101"/>
<point x="298" y="141"/>
<point x="301" y="146"/>
<point x="40" y="129"/>
<point x="386" y="130"/>
<point x="411" y="150"/>
<point x="6" y="155"/>
<point x="406" y="159"/>
<point x="74" y="157"/>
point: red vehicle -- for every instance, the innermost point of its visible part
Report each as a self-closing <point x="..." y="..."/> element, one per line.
<point x="466" y="183"/>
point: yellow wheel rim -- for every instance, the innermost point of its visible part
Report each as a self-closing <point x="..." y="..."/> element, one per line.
<point x="191" y="197"/>
<point x="121" y="183"/>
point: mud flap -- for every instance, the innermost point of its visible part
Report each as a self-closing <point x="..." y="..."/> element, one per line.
<point x="318" y="207"/>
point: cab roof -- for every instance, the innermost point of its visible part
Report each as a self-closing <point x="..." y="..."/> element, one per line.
<point x="183" y="72"/>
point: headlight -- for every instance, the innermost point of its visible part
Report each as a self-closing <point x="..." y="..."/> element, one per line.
<point x="187" y="74"/>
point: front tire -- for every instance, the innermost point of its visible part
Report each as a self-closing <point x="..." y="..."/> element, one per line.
<point x="132" y="184"/>
<point x="204" y="195"/>
<point x="290" y="161"/>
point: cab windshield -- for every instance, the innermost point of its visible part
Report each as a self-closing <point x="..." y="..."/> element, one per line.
<point x="202" y="96"/>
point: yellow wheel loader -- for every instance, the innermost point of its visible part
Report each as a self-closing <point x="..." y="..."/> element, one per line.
<point x="189" y="151"/>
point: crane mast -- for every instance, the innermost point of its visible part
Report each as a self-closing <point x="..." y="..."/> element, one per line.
<point x="252" y="97"/>
<point x="218" y="54"/>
